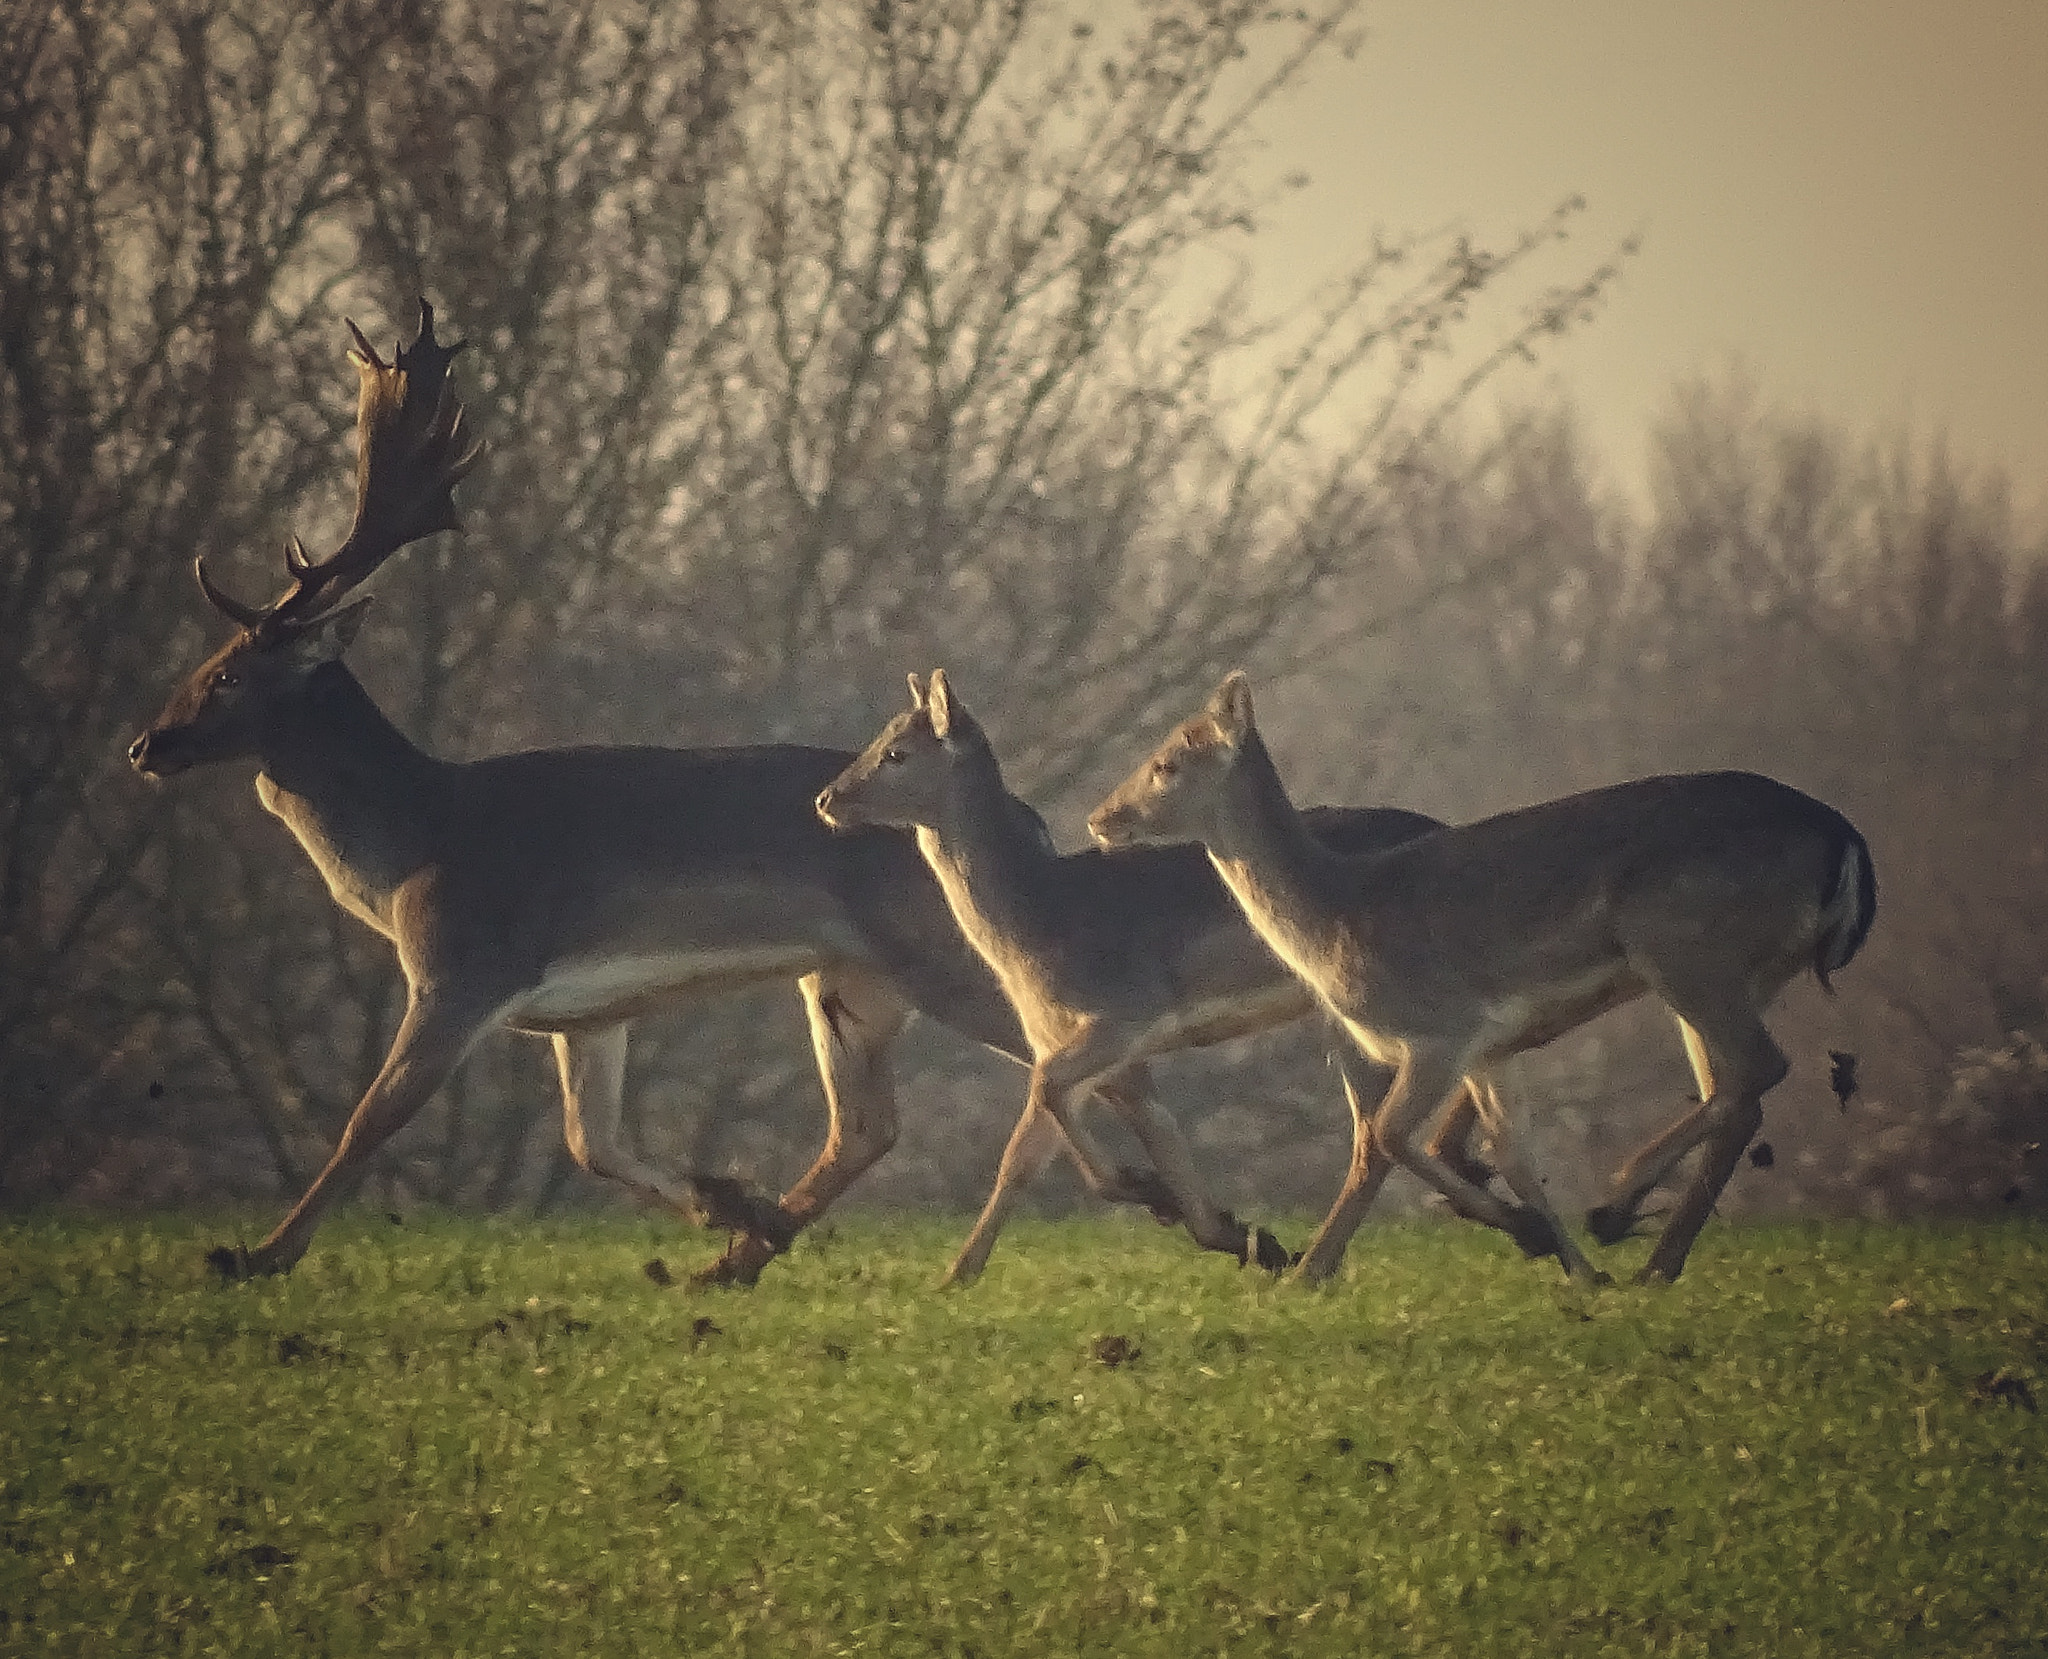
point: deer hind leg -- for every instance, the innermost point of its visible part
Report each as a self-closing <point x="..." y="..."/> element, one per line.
<point x="592" y="1067"/>
<point x="1742" y="1063"/>
<point x="1649" y="1165"/>
<point x="1723" y="1152"/>
<point x="432" y="1038"/>
<point x="854" y="1014"/>
<point x="1749" y="1064"/>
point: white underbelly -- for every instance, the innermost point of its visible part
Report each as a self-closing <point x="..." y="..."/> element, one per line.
<point x="1536" y="1016"/>
<point x="581" y="989"/>
<point x="1221" y="1018"/>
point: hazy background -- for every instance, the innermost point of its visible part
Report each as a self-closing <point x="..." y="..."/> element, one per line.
<point x="815" y="343"/>
<point x="1848" y="202"/>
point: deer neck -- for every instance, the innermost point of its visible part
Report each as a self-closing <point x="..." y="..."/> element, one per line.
<point x="1292" y="889"/>
<point x="358" y="795"/>
<point x="994" y="866"/>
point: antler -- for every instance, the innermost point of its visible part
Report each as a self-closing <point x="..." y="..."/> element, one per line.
<point x="410" y="455"/>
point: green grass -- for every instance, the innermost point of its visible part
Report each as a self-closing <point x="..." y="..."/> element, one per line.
<point x="455" y="1437"/>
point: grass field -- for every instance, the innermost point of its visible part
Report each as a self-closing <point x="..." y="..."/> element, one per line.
<point x="451" y="1437"/>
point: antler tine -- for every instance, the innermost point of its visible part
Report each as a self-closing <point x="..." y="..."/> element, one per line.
<point x="364" y="352"/>
<point x="409" y="457"/>
<point x="243" y="616"/>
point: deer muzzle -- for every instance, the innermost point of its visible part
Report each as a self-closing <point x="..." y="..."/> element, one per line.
<point x="1110" y="824"/>
<point x="154" y="756"/>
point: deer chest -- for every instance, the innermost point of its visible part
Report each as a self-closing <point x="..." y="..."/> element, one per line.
<point x="361" y="862"/>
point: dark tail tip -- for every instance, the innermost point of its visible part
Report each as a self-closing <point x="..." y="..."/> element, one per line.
<point x="1838" y="945"/>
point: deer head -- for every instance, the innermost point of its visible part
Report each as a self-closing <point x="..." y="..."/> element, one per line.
<point x="1172" y="796"/>
<point x="411" y="452"/>
<point x="911" y="774"/>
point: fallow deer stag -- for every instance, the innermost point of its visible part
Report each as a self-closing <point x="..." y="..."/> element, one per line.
<point x="563" y="891"/>
<point x="1449" y="953"/>
<point x="1108" y="958"/>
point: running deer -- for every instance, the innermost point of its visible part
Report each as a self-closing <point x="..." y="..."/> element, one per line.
<point x="564" y="891"/>
<point x="1108" y="958"/>
<point x="1449" y="953"/>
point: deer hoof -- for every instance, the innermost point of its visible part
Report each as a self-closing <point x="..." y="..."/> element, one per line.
<point x="1144" y="1187"/>
<point x="1271" y="1254"/>
<point x="1532" y="1234"/>
<point x="735" y="1270"/>
<point x="231" y="1264"/>
<point x="732" y="1206"/>
<point x="1311" y="1270"/>
<point x="776" y="1226"/>
<point x="1611" y="1223"/>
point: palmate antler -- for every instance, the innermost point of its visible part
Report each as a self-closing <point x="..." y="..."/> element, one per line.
<point x="410" y="455"/>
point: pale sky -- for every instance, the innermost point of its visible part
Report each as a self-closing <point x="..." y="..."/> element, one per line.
<point x="1849" y="199"/>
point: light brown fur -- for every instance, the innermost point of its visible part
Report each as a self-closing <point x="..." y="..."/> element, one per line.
<point x="1446" y="955"/>
<point x="1108" y="960"/>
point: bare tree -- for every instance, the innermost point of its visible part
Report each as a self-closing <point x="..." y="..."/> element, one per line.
<point x="980" y="403"/>
<point x="811" y="340"/>
<point x="162" y="174"/>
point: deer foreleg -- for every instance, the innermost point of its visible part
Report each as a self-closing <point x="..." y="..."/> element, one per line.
<point x="1423" y="1083"/>
<point x="1536" y="1217"/>
<point x="1099" y="1057"/>
<point x="1210" y="1227"/>
<point x="1032" y="1145"/>
<point x="1370" y="1164"/>
<point x="1531" y="1223"/>
<point x="431" y="1039"/>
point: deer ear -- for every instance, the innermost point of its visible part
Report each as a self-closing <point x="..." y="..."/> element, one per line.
<point x="916" y="690"/>
<point x="938" y="702"/>
<point x="326" y="637"/>
<point x="1231" y="707"/>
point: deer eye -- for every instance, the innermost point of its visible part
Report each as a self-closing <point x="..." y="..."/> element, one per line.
<point x="892" y="757"/>
<point x="227" y="679"/>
